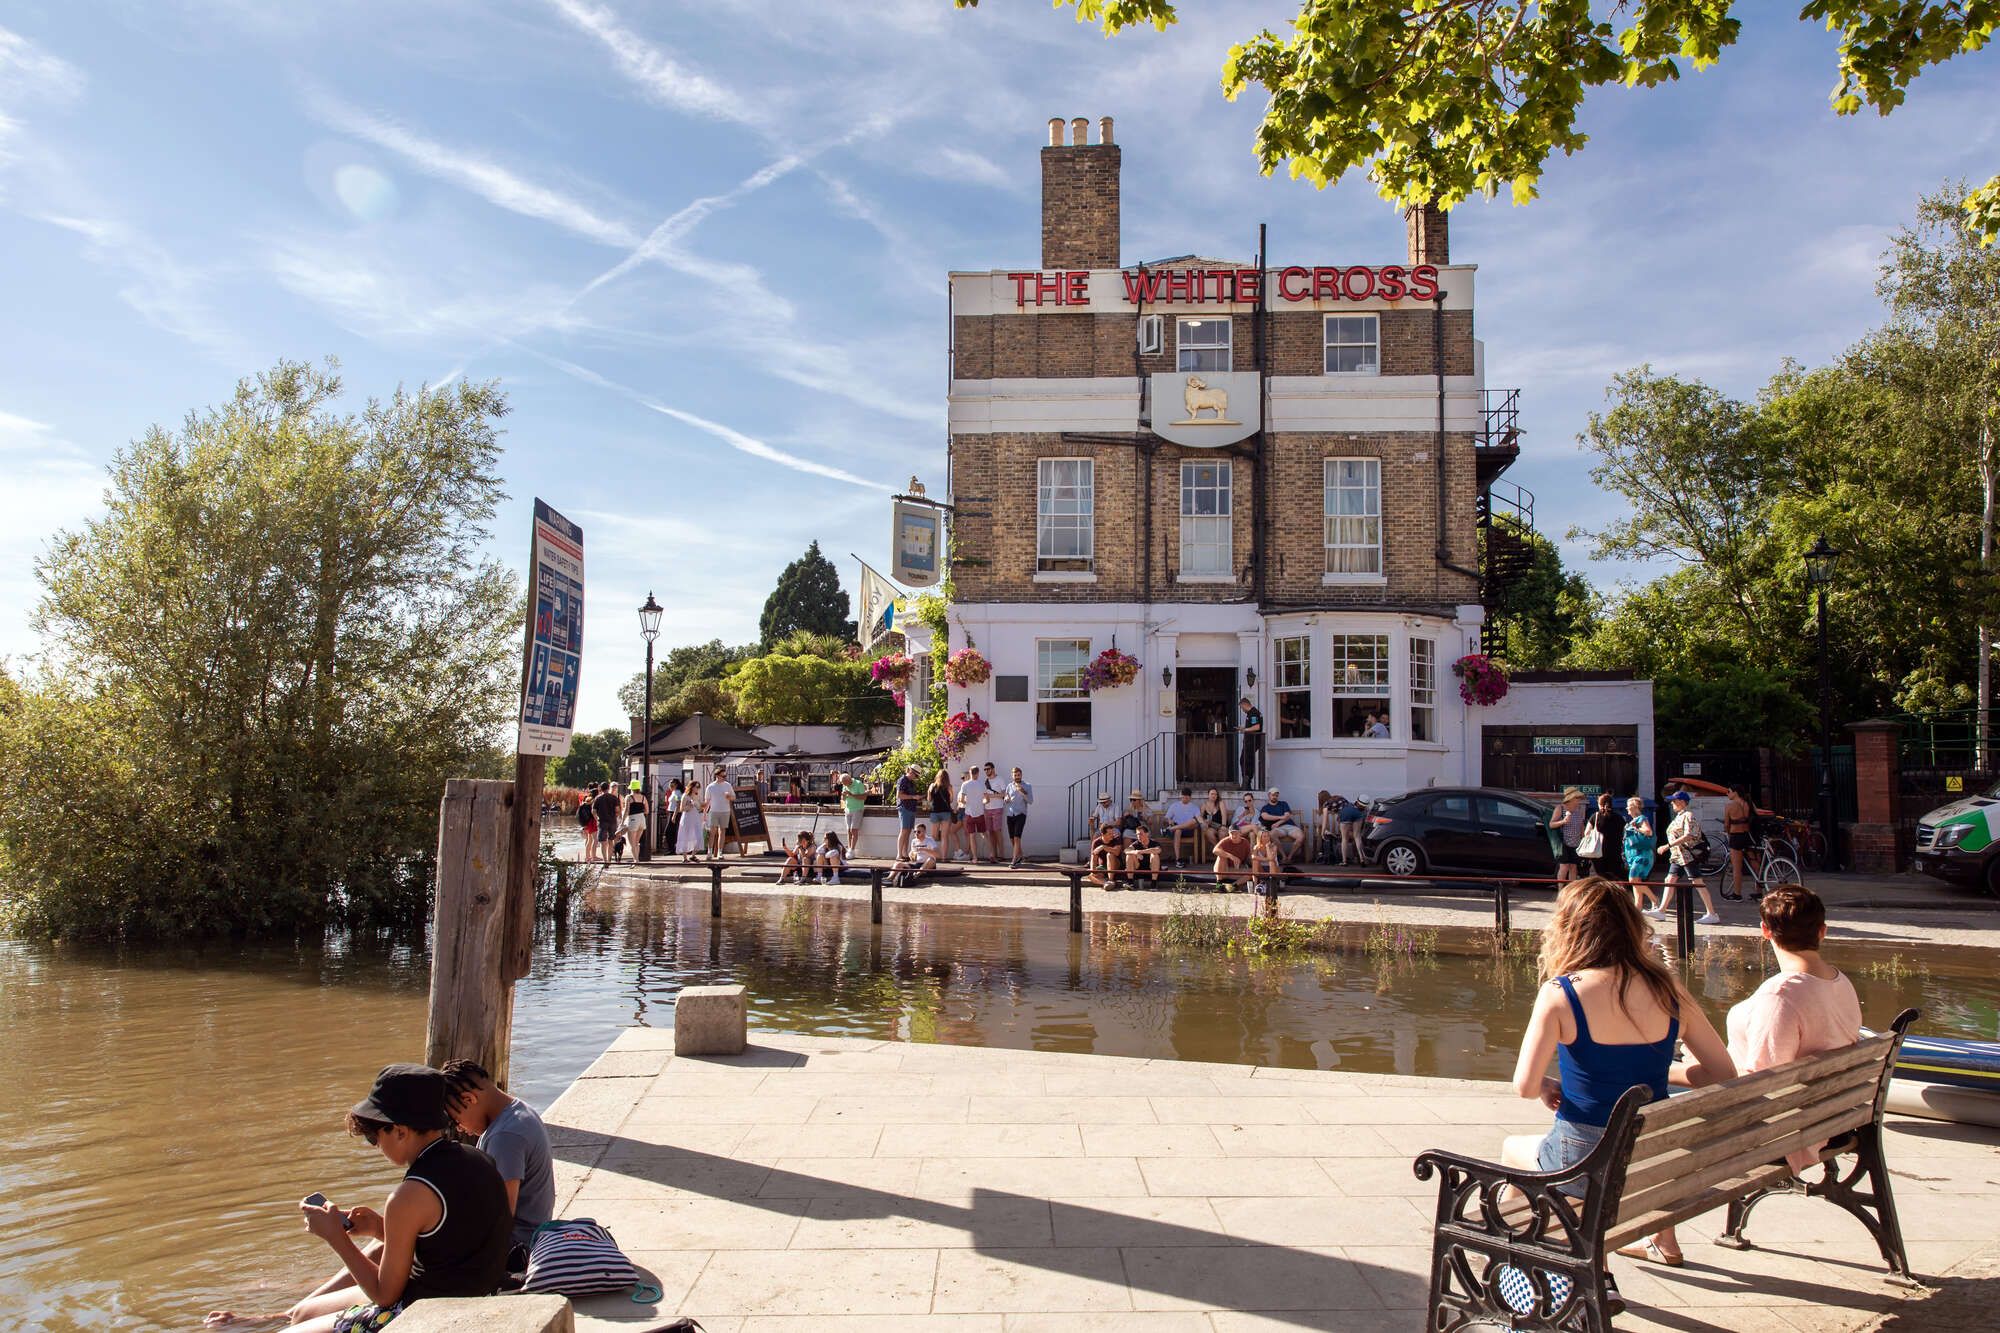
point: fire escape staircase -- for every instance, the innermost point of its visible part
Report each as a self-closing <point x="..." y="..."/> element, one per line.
<point x="1505" y="512"/>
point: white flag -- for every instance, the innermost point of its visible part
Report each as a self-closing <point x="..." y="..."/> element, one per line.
<point x="878" y="607"/>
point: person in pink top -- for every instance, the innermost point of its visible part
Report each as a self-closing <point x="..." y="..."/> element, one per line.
<point x="1806" y="1007"/>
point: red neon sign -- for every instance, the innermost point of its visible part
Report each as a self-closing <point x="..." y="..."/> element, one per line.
<point x="1197" y="286"/>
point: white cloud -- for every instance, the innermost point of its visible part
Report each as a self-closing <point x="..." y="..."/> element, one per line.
<point x="370" y="294"/>
<point x="663" y="78"/>
<point x="166" y="292"/>
<point x="29" y="74"/>
<point x="490" y="181"/>
<point x="963" y="164"/>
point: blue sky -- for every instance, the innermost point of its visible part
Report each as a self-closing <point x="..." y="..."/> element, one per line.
<point x="703" y="245"/>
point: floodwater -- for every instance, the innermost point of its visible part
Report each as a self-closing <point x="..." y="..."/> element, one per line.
<point x="162" y="1111"/>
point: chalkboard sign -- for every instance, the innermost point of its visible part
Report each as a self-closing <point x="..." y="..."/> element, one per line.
<point x="749" y="814"/>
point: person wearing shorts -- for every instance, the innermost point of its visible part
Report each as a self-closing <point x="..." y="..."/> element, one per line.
<point x="606" y="805"/>
<point x="972" y="806"/>
<point x="1569" y="820"/>
<point x="1020" y="795"/>
<point x="1682" y="834"/>
<point x="854" y="801"/>
<point x="908" y="794"/>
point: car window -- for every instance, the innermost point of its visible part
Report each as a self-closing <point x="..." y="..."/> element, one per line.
<point x="1508" y="816"/>
<point x="1457" y="809"/>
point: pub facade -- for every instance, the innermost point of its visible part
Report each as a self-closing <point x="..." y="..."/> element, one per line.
<point x="1260" y="480"/>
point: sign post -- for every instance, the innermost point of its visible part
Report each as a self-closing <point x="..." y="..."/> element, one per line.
<point x="551" y="664"/>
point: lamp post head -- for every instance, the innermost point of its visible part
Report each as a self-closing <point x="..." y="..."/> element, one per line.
<point x="649" y="619"/>
<point x="1819" y="563"/>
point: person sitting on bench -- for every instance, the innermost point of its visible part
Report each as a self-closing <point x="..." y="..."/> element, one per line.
<point x="1609" y="1012"/>
<point x="1276" y="818"/>
<point x="799" y="860"/>
<point x="1806" y="1007"/>
<point x="1107" y="857"/>
<point x="1232" y="853"/>
<point x="922" y="855"/>
<point x="1143" y="854"/>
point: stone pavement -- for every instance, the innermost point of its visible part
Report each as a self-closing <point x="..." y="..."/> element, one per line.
<point x="817" y="1184"/>
<point x="1888" y="910"/>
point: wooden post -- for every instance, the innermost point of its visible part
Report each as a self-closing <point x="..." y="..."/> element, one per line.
<point x="1075" y="902"/>
<point x="1503" y="916"/>
<point x="524" y="848"/>
<point x="1684" y="921"/>
<point x="472" y="993"/>
<point x="715" y="890"/>
<point x="875" y="894"/>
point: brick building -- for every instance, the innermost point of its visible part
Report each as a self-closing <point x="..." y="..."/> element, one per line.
<point x="1264" y="481"/>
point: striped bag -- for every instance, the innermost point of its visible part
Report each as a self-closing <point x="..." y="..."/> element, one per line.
<point x="577" y="1258"/>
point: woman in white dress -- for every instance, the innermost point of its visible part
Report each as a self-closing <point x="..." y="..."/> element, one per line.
<point x="688" y="841"/>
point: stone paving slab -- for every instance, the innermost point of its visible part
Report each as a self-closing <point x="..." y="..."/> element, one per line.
<point x="974" y="1190"/>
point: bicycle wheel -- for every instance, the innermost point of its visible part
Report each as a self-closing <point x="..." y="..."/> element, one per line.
<point x="1813" y="844"/>
<point x="1779" y="870"/>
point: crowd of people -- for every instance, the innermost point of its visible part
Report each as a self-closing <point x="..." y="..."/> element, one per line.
<point x="462" y="1220"/>
<point x="1623" y="845"/>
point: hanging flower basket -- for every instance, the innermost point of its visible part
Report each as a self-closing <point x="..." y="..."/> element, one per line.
<point x="1480" y="679"/>
<point x="967" y="667"/>
<point x="961" y="732"/>
<point x="899" y="696"/>
<point x="894" y="672"/>
<point x="1110" y="669"/>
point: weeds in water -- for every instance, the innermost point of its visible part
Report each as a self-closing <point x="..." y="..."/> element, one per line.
<point x="1388" y="940"/>
<point x="798" y="911"/>
<point x="1266" y="936"/>
<point x="1197" y="922"/>
<point x="1895" y="971"/>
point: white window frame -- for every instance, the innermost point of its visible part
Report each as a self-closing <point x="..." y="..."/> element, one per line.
<point x="1208" y="549"/>
<point x="1049" y="689"/>
<point x="1049" y="522"/>
<point x="1182" y="347"/>
<point x="1345" y="331"/>
<point x="1423" y="690"/>
<point x="1353" y="536"/>
<point x="1291" y="673"/>
<point x="1359" y="675"/>
<point x="1152" y="335"/>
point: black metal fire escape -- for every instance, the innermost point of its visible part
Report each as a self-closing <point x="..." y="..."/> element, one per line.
<point x="1506" y="512"/>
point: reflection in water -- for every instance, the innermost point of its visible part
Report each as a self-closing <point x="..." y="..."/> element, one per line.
<point x="165" y="1112"/>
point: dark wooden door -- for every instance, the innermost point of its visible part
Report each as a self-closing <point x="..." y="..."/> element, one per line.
<point x="1205" y="717"/>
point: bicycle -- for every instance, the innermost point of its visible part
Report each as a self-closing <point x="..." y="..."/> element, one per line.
<point x="1771" y="859"/>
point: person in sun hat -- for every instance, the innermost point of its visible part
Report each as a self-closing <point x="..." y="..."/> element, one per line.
<point x="1569" y="819"/>
<point x="1683" y="838"/>
<point x="445" y="1230"/>
<point x="1102" y="813"/>
<point x="1138" y="815"/>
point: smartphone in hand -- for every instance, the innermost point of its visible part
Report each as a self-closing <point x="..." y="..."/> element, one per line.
<point x="318" y="1200"/>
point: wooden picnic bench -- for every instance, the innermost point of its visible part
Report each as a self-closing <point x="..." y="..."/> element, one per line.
<point x="1512" y="1248"/>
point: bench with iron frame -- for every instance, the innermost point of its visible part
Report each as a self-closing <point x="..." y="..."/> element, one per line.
<point x="1513" y="1248"/>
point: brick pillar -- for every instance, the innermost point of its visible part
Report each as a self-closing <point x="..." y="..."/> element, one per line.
<point x="1872" y="838"/>
<point x="1429" y="230"/>
<point x="1080" y="199"/>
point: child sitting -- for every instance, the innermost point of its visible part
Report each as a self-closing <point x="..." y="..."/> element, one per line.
<point x="832" y="858"/>
<point x="798" y="860"/>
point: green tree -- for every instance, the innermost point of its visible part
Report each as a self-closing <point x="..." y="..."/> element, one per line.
<point x="809" y="677"/>
<point x="263" y="662"/>
<point x="682" y="667"/>
<point x="1446" y="98"/>
<point x="592" y="757"/>
<point x="809" y="597"/>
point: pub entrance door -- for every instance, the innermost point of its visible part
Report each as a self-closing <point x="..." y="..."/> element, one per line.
<point x="1205" y="749"/>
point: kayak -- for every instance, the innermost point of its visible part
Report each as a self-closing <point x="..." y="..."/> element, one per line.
<point x="1947" y="1078"/>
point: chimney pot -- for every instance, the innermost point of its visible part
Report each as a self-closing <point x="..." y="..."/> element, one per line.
<point x="1055" y="131"/>
<point x="1080" y="198"/>
<point x="1079" y="132"/>
<point x="1104" y="129"/>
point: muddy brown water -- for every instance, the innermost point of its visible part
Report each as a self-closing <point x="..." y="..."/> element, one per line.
<point x="162" y="1111"/>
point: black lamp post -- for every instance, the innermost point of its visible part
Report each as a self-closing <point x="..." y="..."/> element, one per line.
<point x="649" y="630"/>
<point x="1819" y="573"/>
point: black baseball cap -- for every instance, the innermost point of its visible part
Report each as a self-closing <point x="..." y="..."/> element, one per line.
<point x="413" y="1095"/>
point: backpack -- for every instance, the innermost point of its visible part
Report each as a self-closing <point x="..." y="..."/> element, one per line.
<point x="578" y="1258"/>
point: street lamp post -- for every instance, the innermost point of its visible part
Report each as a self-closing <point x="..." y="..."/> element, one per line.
<point x="1819" y="573"/>
<point x="649" y="630"/>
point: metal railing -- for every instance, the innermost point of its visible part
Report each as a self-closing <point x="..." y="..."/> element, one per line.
<point x="1150" y="767"/>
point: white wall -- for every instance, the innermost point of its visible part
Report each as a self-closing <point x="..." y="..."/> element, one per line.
<point x="1580" y="703"/>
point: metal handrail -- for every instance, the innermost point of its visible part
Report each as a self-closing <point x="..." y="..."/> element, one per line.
<point x="1149" y="767"/>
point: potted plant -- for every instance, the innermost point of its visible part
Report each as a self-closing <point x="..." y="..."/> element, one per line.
<point x="967" y="667"/>
<point x="962" y="730"/>
<point x="1110" y="669"/>
<point x="1480" y="679"/>
<point x="894" y="672"/>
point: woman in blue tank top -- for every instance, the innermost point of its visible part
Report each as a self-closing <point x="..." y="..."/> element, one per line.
<point x="1610" y="1013"/>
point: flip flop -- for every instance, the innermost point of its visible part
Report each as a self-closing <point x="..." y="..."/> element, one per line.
<point x="1652" y="1253"/>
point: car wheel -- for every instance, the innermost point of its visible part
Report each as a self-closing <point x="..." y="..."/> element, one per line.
<point x="1402" y="859"/>
<point x="1989" y="878"/>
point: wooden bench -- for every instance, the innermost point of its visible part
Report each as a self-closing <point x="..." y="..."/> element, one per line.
<point x="1511" y="1247"/>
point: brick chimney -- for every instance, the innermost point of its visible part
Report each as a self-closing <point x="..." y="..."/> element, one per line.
<point x="1080" y="197"/>
<point x="1430" y="234"/>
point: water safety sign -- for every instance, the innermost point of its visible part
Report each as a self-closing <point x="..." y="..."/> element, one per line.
<point x="555" y="636"/>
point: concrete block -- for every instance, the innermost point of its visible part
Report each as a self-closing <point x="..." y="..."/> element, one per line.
<point x="489" y="1314"/>
<point x="710" y="1020"/>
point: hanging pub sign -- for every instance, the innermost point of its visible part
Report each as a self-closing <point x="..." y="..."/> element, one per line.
<point x="554" y="655"/>
<point x="1207" y="409"/>
<point x="917" y="544"/>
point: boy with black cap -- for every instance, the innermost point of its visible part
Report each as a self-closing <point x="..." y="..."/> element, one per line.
<point x="444" y="1230"/>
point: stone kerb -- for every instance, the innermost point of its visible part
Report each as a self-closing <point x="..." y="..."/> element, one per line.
<point x="490" y="1314"/>
<point x="710" y="1020"/>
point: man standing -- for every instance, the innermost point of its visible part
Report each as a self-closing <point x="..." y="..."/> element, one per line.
<point x="1018" y="798"/>
<point x="1184" y="826"/>
<point x="908" y="793"/>
<point x="972" y="801"/>
<point x="720" y="795"/>
<point x="1252" y="758"/>
<point x="1276" y="817"/>
<point x="854" y="800"/>
<point x="996" y="802"/>
<point x="605" y="804"/>
<point x="514" y="1137"/>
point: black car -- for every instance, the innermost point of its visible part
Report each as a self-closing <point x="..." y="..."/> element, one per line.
<point x="1461" y="831"/>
